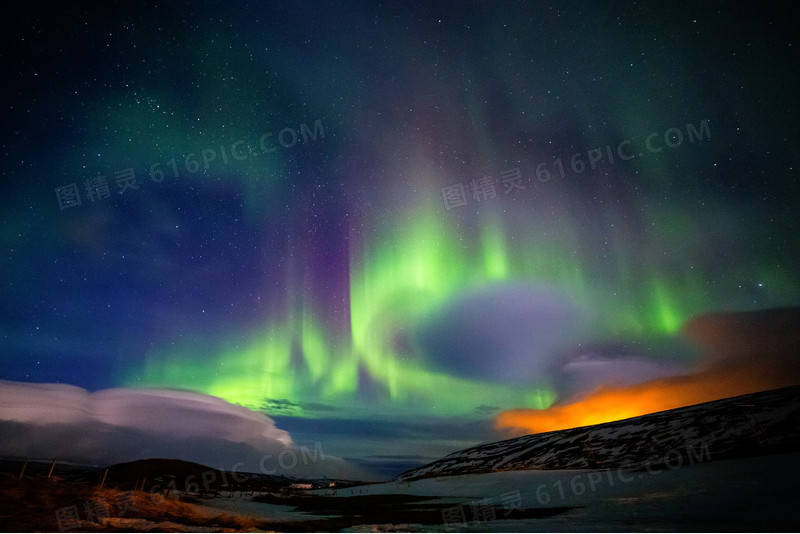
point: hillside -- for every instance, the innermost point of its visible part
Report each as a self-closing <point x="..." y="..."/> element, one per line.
<point x="749" y="425"/>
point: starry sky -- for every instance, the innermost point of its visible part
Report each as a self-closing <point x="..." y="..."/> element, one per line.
<point x="383" y="224"/>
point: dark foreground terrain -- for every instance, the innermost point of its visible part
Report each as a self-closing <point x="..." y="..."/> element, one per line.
<point x="726" y="465"/>
<point x="53" y="505"/>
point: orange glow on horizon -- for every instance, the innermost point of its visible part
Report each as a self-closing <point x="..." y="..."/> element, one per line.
<point x="615" y="403"/>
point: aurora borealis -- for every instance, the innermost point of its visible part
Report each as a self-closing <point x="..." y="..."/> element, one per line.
<point x="312" y="270"/>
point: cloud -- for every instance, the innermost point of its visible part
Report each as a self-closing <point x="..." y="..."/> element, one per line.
<point x="41" y="421"/>
<point x="287" y="407"/>
<point x="505" y="332"/>
<point x="164" y="413"/>
<point x="594" y="370"/>
<point x="588" y="367"/>
<point x="745" y="353"/>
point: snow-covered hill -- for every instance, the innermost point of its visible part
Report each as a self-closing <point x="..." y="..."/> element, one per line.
<point x="748" y="425"/>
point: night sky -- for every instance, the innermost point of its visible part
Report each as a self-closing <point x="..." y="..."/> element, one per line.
<point x="382" y="224"/>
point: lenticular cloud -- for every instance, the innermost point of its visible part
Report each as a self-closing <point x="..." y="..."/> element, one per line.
<point x="70" y="423"/>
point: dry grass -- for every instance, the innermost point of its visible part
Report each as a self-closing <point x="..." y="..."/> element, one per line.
<point x="34" y="504"/>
